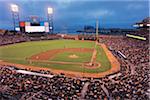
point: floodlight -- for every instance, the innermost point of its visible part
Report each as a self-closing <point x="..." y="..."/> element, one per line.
<point x="51" y="28"/>
<point x="135" y="25"/>
<point x="148" y="24"/>
<point x="17" y="29"/>
<point x="50" y="10"/>
<point x="14" y="8"/>
<point x="141" y="25"/>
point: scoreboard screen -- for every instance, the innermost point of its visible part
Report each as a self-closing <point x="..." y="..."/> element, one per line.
<point x="30" y="27"/>
<point x="35" y="29"/>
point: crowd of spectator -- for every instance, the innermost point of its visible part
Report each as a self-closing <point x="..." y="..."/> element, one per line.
<point x="87" y="36"/>
<point x="20" y="86"/>
<point x="131" y="84"/>
<point x="11" y="38"/>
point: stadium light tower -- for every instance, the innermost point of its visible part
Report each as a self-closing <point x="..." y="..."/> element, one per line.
<point x="50" y="18"/>
<point x="15" y="15"/>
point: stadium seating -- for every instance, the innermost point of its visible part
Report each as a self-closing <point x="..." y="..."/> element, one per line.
<point x="132" y="83"/>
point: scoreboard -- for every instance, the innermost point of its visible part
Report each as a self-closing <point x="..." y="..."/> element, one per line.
<point x="35" y="29"/>
<point x="31" y="27"/>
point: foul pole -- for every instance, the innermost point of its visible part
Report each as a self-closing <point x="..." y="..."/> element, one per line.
<point x="97" y="30"/>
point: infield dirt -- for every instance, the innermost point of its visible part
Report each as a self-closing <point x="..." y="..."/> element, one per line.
<point x="52" y="53"/>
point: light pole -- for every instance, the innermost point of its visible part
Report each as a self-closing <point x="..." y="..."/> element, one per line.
<point x="15" y="15"/>
<point x="50" y="18"/>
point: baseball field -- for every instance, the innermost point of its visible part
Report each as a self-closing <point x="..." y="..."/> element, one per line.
<point x="61" y="55"/>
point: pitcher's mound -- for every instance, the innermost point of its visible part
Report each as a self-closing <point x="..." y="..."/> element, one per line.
<point x="73" y="56"/>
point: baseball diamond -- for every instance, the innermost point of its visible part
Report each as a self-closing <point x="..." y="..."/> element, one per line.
<point x="64" y="56"/>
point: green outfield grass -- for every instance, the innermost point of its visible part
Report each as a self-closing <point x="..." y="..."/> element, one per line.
<point x="17" y="53"/>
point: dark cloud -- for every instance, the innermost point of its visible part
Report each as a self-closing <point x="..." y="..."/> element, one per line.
<point x="73" y="14"/>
